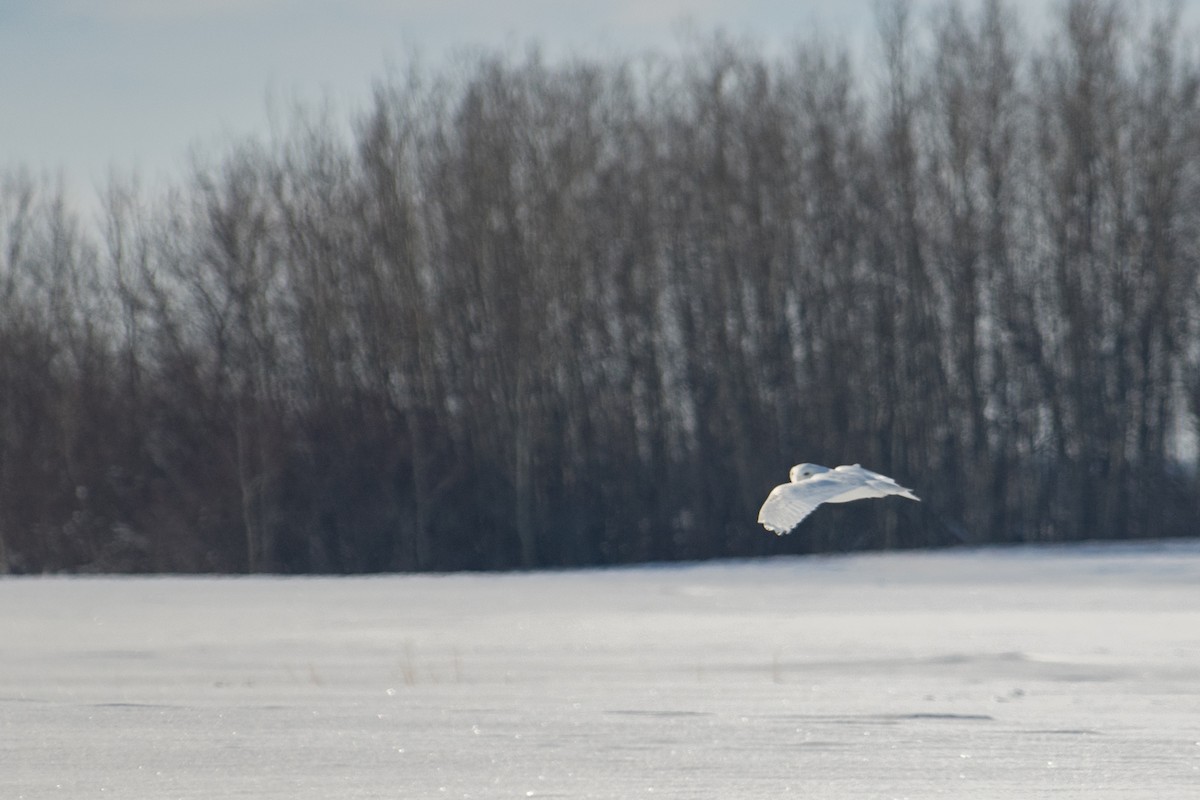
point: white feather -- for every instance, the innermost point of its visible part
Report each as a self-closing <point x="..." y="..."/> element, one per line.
<point x="812" y="484"/>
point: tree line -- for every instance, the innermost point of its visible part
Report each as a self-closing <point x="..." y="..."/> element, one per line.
<point x="524" y="312"/>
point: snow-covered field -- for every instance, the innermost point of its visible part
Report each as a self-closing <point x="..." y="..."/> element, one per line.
<point x="1065" y="672"/>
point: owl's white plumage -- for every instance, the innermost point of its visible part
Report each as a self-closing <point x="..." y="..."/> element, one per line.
<point x="812" y="484"/>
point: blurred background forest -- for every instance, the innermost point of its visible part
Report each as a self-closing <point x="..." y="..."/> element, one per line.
<point x="521" y="313"/>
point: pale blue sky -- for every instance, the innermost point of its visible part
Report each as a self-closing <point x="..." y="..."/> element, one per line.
<point x="93" y="84"/>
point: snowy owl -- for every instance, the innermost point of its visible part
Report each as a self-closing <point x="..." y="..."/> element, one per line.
<point x="811" y="485"/>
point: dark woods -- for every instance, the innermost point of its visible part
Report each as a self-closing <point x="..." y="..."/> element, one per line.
<point x="588" y="312"/>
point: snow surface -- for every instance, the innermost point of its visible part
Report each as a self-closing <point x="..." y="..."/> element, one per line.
<point x="1011" y="673"/>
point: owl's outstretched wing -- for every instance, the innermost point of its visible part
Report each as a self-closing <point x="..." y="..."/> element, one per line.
<point x="789" y="503"/>
<point x="862" y="483"/>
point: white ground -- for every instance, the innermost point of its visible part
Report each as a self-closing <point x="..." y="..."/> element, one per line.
<point x="1071" y="672"/>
